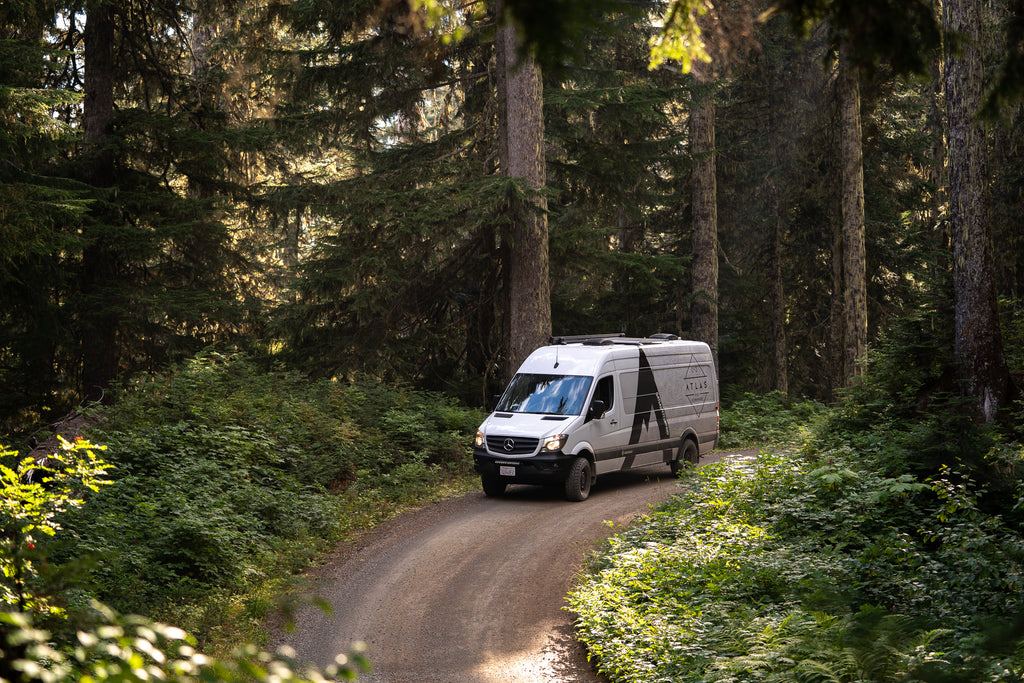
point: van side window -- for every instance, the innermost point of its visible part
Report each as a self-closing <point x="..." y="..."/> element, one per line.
<point x="605" y="391"/>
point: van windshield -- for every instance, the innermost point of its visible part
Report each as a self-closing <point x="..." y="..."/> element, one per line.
<point x="545" y="394"/>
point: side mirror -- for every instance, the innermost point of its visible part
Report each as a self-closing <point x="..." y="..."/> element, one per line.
<point x="596" y="409"/>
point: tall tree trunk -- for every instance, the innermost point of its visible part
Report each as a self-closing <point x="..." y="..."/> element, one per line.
<point x="776" y="303"/>
<point x="521" y="153"/>
<point x="779" y="371"/>
<point x="290" y="248"/>
<point x="934" y="119"/>
<point x="835" y="313"/>
<point x="100" y="357"/>
<point x="979" y="345"/>
<point x="855" y="300"/>
<point x="704" y="306"/>
<point x="630" y="236"/>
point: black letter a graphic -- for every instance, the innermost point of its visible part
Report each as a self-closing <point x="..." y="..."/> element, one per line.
<point x="648" y="400"/>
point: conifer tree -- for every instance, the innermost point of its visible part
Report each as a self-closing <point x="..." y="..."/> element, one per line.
<point x="100" y="267"/>
<point x="154" y="271"/>
<point x="617" y="157"/>
<point x="979" y="346"/>
<point x="854" y="267"/>
<point x="704" y="304"/>
<point x="40" y="208"/>
<point x="404" y="278"/>
<point x="145" y="277"/>
<point x="521" y="154"/>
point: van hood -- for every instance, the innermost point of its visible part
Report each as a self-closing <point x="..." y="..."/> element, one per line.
<point x="526" y="424"/>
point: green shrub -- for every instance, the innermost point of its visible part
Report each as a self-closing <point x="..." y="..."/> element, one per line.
<point x="32" y="497"/>
<point x="767" y="419"/>
<point x="112" y="648"/>
<point x="227" y="475"/>
<point x="95" y="644"/>
<point x="888" y="547"/>
<point x="808" y="567"/>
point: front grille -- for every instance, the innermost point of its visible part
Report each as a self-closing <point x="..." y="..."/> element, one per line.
<point x="520" y="445"/>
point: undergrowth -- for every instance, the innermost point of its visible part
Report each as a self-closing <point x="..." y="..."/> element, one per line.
<point x="756" y="420"/>
<point x="808" y="567"/>
<point x="885" y="543"/>
<point x="228" y="481"/>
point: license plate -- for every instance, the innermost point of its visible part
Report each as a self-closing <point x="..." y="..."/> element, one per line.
<point x="506" y="471"/>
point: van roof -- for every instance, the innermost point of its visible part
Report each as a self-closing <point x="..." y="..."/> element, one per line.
<point x="586" y="355"/>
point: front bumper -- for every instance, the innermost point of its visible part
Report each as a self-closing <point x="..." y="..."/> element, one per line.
<point x="545" y="468"/>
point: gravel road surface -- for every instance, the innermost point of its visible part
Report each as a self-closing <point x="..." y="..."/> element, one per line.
<point x="472" y="590"/>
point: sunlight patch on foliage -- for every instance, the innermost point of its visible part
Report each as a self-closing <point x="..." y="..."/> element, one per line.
<point x="805" y="566"/>
<point x="119" y="648"/>
<point x="33" y="495"/>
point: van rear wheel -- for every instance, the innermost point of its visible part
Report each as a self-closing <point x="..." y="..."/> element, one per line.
<point x="688" y="453"/>
<point x="577" y="486"/>
<point x="493" y="486"/>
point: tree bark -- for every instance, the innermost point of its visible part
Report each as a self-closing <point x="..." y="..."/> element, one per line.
<point x="776" y="302"/>
<point x="704" y="305"/>
<point x="935" y="120"/>
<point x="100" y="355"/>
<point x="521" y="154"/>
<point x="98" y="105"/>
<point x="629" y="238"/>
<point x="779" y="371"/>
<point x="978" y="345"/>
<point x="855" y="300"/>
<point x="835" y="317"/>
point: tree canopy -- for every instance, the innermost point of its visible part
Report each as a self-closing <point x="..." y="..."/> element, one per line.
<point x="320" y="184"/>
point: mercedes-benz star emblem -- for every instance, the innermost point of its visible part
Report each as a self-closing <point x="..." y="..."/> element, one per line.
<point x="510" y="445"/>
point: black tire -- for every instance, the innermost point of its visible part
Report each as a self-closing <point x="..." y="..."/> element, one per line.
<point x="577" y="486"/>
<point x="688" y="453"/>
<point x="493" y="486"/>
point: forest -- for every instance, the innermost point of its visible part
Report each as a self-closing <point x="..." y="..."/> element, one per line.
<point x="326" y="187"/>
<point x="312" y="238"/>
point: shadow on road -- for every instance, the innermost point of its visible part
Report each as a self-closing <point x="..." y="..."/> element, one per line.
<point x="569" y="658"/>
<point x="606" y="483"/>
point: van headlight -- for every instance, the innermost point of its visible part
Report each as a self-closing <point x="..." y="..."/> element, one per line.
<point x="479" y="441"/>
<point x="555" y="443"/>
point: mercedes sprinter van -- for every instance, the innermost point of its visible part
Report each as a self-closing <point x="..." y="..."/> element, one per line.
<point x="585" y="406"/>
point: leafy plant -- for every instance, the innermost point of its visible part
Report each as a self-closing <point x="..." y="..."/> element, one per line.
<point x="809" y="565"/>
<point x="231" y="477"/>
<point x="32" y="496"/>
<point x="763" y="419"/>
<point x="131" y="649"/>
<point x="107" y="647"/>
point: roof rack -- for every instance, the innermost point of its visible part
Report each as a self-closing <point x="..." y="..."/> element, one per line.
<point x="586" y="338"/>
<point x="606" y="339"/>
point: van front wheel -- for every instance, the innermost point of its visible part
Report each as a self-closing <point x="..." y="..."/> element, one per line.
<point x="577" y="486"/>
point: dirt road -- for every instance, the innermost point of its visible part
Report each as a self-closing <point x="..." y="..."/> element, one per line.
<point x="472" y="590"/>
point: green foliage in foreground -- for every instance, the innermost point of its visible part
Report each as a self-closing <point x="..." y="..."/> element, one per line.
<point x="810" y="567"/>
<point x="131" y="649"/>
<point x="227" y="480"/>
<point x="96" y="645"/>
<point x="32" y="495"/>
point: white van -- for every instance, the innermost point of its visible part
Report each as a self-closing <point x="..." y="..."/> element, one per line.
<point x="585" y="406"/>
